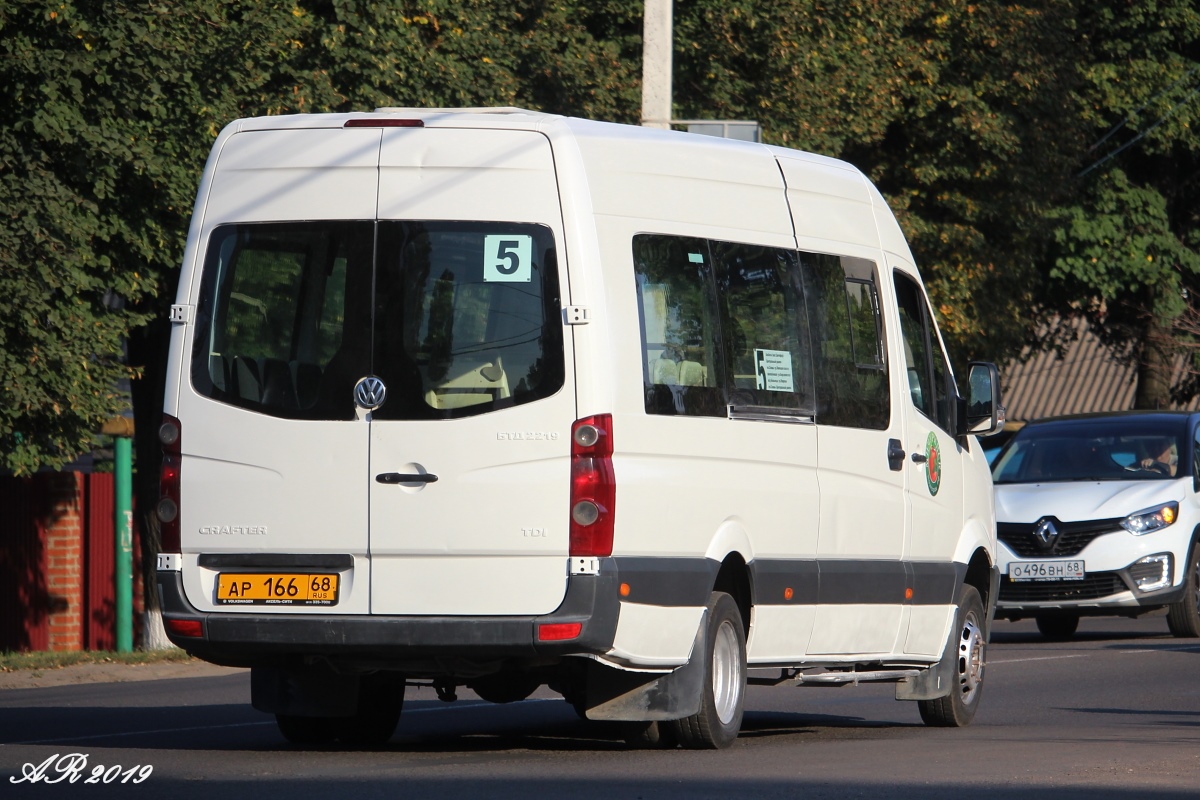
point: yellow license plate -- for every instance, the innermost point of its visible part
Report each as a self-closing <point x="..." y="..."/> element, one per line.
<point x="277" y="588"/>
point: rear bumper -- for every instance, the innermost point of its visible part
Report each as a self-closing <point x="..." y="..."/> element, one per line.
<point x="248" y="640"/>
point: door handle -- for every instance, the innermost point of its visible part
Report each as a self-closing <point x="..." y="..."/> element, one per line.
<point x="919" y="458"/>
<point x="895" y="455"/>
<point x="405" y="477"/>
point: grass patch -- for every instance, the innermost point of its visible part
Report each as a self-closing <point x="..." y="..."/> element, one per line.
<point x="42" y="660"/>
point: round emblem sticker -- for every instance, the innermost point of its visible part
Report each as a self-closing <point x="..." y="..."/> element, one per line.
<point x="933" y="464"/>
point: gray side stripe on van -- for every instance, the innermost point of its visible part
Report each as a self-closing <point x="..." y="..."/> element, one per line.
<point x="687" y="581"/>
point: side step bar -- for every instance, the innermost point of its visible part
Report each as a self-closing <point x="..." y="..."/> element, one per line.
<point x="819" y="677"/>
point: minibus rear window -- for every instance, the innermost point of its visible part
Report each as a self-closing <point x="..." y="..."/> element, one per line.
<point x="457" y="318"/>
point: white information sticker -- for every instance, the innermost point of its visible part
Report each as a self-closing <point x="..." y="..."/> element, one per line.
<point x="773" y="370"/>
<point x="508" y="258"/>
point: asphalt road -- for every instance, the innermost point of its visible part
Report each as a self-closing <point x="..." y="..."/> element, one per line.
<point x="1113" y="714"/>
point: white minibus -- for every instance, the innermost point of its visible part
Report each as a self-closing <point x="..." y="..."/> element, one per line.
<point x="499" y="399"/>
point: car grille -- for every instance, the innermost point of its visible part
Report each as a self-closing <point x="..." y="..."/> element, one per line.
<point x="1072" y="536"/>
<point x="1093" y="587"/>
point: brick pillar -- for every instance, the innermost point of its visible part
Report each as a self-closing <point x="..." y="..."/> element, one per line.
<point x="63" y="537"/>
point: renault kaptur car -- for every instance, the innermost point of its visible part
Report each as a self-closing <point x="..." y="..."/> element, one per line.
<point x="1098" y="515"/>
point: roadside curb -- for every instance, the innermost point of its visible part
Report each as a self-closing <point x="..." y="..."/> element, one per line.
<point x="110" y="673"/>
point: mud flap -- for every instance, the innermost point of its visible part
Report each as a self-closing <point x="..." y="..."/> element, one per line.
<point x="937" y="680"/>
<point x="615" y="694"/>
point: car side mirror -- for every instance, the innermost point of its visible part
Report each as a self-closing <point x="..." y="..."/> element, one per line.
<point x="984" y="413"/>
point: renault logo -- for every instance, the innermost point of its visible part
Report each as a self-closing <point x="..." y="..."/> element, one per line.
<point x="369" y="393"/>
<point x="1046" y="533"/>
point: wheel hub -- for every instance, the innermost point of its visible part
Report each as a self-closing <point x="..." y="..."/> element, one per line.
<point x="726" y="666"/>
<point x="971" y="650"/>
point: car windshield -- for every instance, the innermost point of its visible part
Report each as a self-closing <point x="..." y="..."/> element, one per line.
<point x="1109" y="450"/>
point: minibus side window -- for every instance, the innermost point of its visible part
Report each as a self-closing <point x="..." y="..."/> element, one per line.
<point x="765" y="327"/>
<point x="929" y="378"/>
<point x="680" y="369"/>
<point x="847" y="331"/>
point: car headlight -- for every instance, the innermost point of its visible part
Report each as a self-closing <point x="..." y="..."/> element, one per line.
<point x="1152" y="519"/>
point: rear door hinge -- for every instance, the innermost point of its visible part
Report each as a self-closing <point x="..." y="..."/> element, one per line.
<point x="576" y="315"/>
<point x="585" y="566"/>
<point x="181" y="313"/>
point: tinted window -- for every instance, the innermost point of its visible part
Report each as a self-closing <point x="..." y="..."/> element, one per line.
<point x="467" y="317"/>
<point x="457" y="318"/>
<point x="680" y="369"/>
<point x="765" y="327"/>
<point x="929" y="379"/>
<point x="847" y="341"/>
<point x="285" y="309"/>
<point x="1098" y="450"/>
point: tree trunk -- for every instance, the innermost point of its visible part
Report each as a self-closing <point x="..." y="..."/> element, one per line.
<point x="1154" y="368"/>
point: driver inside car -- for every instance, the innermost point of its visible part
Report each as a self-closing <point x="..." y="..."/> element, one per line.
<point x="1166" y="459"/>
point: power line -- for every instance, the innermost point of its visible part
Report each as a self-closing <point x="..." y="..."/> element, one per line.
<point x="1170" y="112"/>
<point x="1142" y="108"/>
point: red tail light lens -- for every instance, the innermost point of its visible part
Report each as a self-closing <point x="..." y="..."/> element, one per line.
<point x="593" y="487"/>
<point x="185" y="627"/>
<point x="559" y="631"/>
<point x="169" y="435"/>
<point x="384" y="122"/>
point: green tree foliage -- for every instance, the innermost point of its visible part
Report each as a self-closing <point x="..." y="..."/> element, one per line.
<point x="960" y="112"/>
<point x="975" y="119"/>
<point x="1128" y="240"/>
<point x="110" y="109"/>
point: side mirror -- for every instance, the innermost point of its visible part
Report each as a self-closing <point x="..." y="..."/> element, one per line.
<point x="984" y="413"/>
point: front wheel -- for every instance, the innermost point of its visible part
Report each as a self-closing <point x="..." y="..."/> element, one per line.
<point x="1057" y="626"/>
<point x="1183" y="618"/>
<point x="723" y="692"/>
<point x="958" y="708"/>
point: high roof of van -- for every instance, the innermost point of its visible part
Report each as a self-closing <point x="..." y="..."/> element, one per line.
<point x="638" y="171"/>
<point x="508" y="117"/>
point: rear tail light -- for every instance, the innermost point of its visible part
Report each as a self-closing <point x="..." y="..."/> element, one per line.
<point x="593" y="487"/>
<point x="184" y="627"/>
<point x="169" y="435"/>
<point x="383" y="122"/>
<point x="559" y="631"/>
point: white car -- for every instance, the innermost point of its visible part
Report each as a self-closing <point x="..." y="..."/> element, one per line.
<point x="1098" y="515"/>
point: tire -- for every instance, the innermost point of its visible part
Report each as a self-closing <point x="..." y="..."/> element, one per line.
<point x="307" y="730"/>
<point x="958" y="708"/>
<point x="723" y="692"/>
<point x="1057" y="626"/>
<point x="380" y="701"/>
<point x="505" y="687"/>
<point x="1183" y="618"/>
<point x="651" y="735"/>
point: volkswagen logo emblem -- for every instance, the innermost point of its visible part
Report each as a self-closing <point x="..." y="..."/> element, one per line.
<point x="369" y="393"/>
<point x="1046" y="533"/>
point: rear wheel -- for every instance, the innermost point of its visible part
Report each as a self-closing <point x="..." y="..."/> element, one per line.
<point x="723" y="691"/>
<point x="958" y="708"/>
<point x="504" y="687"/>
<point x="651" y="735"/>
<point x="1057" y="626"/>
<point x="380" y="700"/>
<point x="307" y="730"/>
<point x="1183" y="618"/>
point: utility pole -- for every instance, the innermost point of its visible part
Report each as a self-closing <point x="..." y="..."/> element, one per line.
<point x="657" y="64"/>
